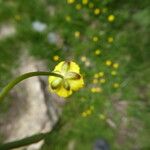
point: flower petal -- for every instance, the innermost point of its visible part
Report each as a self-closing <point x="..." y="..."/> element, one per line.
<point x="74" y="67"/>
<point x="76" y="84"/>
<point x="62" y="92"/>
<point x="59" y="66"/>
<point x="52" y="78"/>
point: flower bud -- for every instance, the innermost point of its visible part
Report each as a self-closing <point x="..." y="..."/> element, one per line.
<point x="56" y="83"/>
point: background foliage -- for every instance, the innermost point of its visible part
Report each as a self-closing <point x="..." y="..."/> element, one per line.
<point x="78" y="32"/>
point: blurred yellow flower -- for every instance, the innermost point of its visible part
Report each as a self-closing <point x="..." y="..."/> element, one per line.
<point x="97" y="11"/>
<point x="101" y="74"/>
<point x="84" y="114"/>
<point x="95" y="39"/>
<point x="96" y="75"/>
<point x="68" y="18"/>
<point x="110" y="39"/>
<point x="102" y="80"/>
<point x="56" y="58"/>
<point x="70" y="1"/>
<point x="78" y="6"/>
<point x="111" y="18"/>
<point x="108" y="62"/>
<point x="102" y="116"/>
<point x="85" y="2"/>
<point x="116" y="85"/>
<point x="72" y="79"/>
<point x="96" y="90"/>
<point x="113" y="73"/>
<point x="95" y="81"/>
<point x="87" y="63"/>
<point x="83" y="58"/>
<point x="77" y="34"/>
<point x="97" y="52"/>
<point x="115" y="65"/>
<point x="88" y="111"/>
<point x="93" y="90"/>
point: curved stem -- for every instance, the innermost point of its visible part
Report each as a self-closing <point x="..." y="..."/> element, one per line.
<point x="10" y="85"/>
<point x="31" y="139"/>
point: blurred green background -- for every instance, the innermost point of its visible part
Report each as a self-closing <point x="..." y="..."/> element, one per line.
<point x="109" y="39"/>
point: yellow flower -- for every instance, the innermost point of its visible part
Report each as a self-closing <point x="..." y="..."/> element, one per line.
<point x="97" y="11"/>
<point x="95" y="39"/>
<point x="84" y="114"/>
<point x="108" y="62"/>
<point x="78" y="6"/>
<point x="70" y="1"/>
<point x="96" y="90"/>
<point x="96" y="75"/>
<point x="101" y="74"/>
<point x="95" y="81"/>
<point x="56" y="58"/>
<point x="110" y="39"/>
<point x="93" y="90"/>
<point x="85" y="2"/>
<point x="77" y="34"/>
<point x="111" y="18"/>
<point x="102" y="80"/>
<point x="97" y="52"/>
<point x="115" y="65"/>
<point x="87" y="63"/>
<point x="113" y="73"/>
<point x="68" y="18"/>
<point x="116" y="85"/>
<point x="102" y="116"/>
<point x="71" y="81"/>
<point x="83" y="58"/>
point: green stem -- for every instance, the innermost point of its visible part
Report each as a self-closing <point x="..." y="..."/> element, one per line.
<point x="30" y="140"/>
<point x="24" y="142"/>
<point x="10" y="85"/>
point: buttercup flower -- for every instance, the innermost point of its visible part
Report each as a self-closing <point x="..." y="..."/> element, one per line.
<point x="113" y="73"/>
<point x="68" y="18"/>
<point x="84" y="2"/>
<point x="77" y="34"/>
<point x="83" y="58"/>
<point x="102" y="80"/>
<point x="56" y="58"/>
<point x="110" y="39"/>
<point x="116" y="85"/>
<point x="108" y="62"/>
<point x="97" y="11"/>
<point x="101" y="74"/>
<point x="78" y="6"/>
<point x="95" y="39"/>
<point x="111" y="18"/>
<point x="71" y="79"/>
<point x="115" y="65"/>
<point x="97" y="52"/>
<point x="70" y="1"/>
